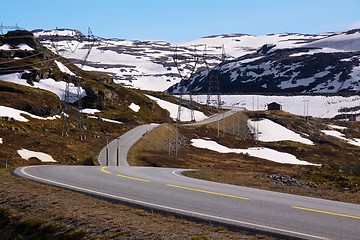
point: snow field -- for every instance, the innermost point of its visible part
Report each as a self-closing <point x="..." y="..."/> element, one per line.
<point x="27" y="154"/>
<point x="259" y="152"/>
<point x="315" y="106"/>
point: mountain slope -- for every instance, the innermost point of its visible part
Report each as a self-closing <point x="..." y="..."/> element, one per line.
<point x="329" y="64"/>
<point x="33" y="82"/>
<point x="273" y="63"/>
<point x="140" y="64"/>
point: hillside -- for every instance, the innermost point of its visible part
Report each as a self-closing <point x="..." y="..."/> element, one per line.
<point x="33" y="98"/>
<point x="33" y="80"/>
<point x="272" y="150"/>
<point x="312" y="64"/>
<point x="146" y="65"/>
<point x="276" y="63"/>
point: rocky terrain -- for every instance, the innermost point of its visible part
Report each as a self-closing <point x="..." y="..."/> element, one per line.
<point x="324" y="64"/>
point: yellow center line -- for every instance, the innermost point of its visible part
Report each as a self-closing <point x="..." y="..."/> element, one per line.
<point x="103" y="170"/>
<point x="325" y="212"/>
<point x="208" y="192"/>
<point x="133" y="178"/>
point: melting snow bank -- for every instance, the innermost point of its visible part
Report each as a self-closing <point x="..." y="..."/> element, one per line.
<point x="27" y="154"/>
<point x="49" y="84"/>
<point x="259" y="152"/>
<point x="339" y="135"/>
<point x="269" y="131"/>
<point x="173" y="110"/>
<point x="16" y="114"/>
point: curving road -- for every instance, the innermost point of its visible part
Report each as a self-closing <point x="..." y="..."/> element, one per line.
<point x="167" y="190"/>
<point x="115" y="153"/>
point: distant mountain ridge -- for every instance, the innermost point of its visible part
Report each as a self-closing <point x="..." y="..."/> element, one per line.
<point x="324" y="64"/>
<point x="276" y="63"/>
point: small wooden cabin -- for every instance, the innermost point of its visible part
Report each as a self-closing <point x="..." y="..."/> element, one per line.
<point x="274" y="106"/>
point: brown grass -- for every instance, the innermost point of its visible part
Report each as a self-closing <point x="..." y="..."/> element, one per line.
<point x="337" y="179"/>
<point x="30" y="210"/>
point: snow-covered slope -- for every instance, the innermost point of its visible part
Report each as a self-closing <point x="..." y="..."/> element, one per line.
<point x="339" y="107"/>
<point x="272" y="63"/>
<point x="238" y="45"/>
<point x="139" y="64"/>
<point x="48" y="84"/>
<point x="310" y="64"/>
<point x="150" y="64"/>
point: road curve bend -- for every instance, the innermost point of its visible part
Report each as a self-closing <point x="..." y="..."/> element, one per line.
<point x="166" y="189"/>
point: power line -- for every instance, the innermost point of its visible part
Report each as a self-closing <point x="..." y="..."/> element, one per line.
<point x="16" y="27"/>
<point x="14" y="60"/>
<point x="194" y="59"/>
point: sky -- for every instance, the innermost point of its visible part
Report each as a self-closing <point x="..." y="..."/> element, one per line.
<point x="178" y="21"/>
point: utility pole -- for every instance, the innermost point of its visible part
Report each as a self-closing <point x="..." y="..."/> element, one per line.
<point x="118" y="152"/>
<point x="169" y="144"/>
<point x="107" y="153"/>
<point x="176" y="139"/>
<point x="306" y="109"/>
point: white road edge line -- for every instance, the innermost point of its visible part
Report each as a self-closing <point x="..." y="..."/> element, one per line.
<point x="164" y="207"/>
<point x="175" y="172"/>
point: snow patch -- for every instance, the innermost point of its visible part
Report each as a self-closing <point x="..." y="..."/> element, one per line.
<point x="269" y="131"/>
<point x="259" y="152"/>
<point x="24" y="47"/>
<point x="5" y="47"/>
<point x="110" y="120"/>
<point x="1" y="141"/>
<point x="90" y="111"/>
<point x="336" y="127"/>
<point x="17" y="114"/>
<point x="27" y="154"/>
<point x="105" y="119"/>
<point x="173" y="110"/>
<point x="63" y="68"/>
<point x="339" y="135"/>
<point x="49" y="84"/>
<point x="134" y="107"/>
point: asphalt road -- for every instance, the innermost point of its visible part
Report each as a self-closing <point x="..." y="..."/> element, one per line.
<point x="167" y="190"/>
<point x="115" y="152"/>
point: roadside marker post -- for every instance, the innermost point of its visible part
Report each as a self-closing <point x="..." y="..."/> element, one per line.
<point x="5" y="161"/>
<point x="107" y="153"/>
<point x="117" y="152"/>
